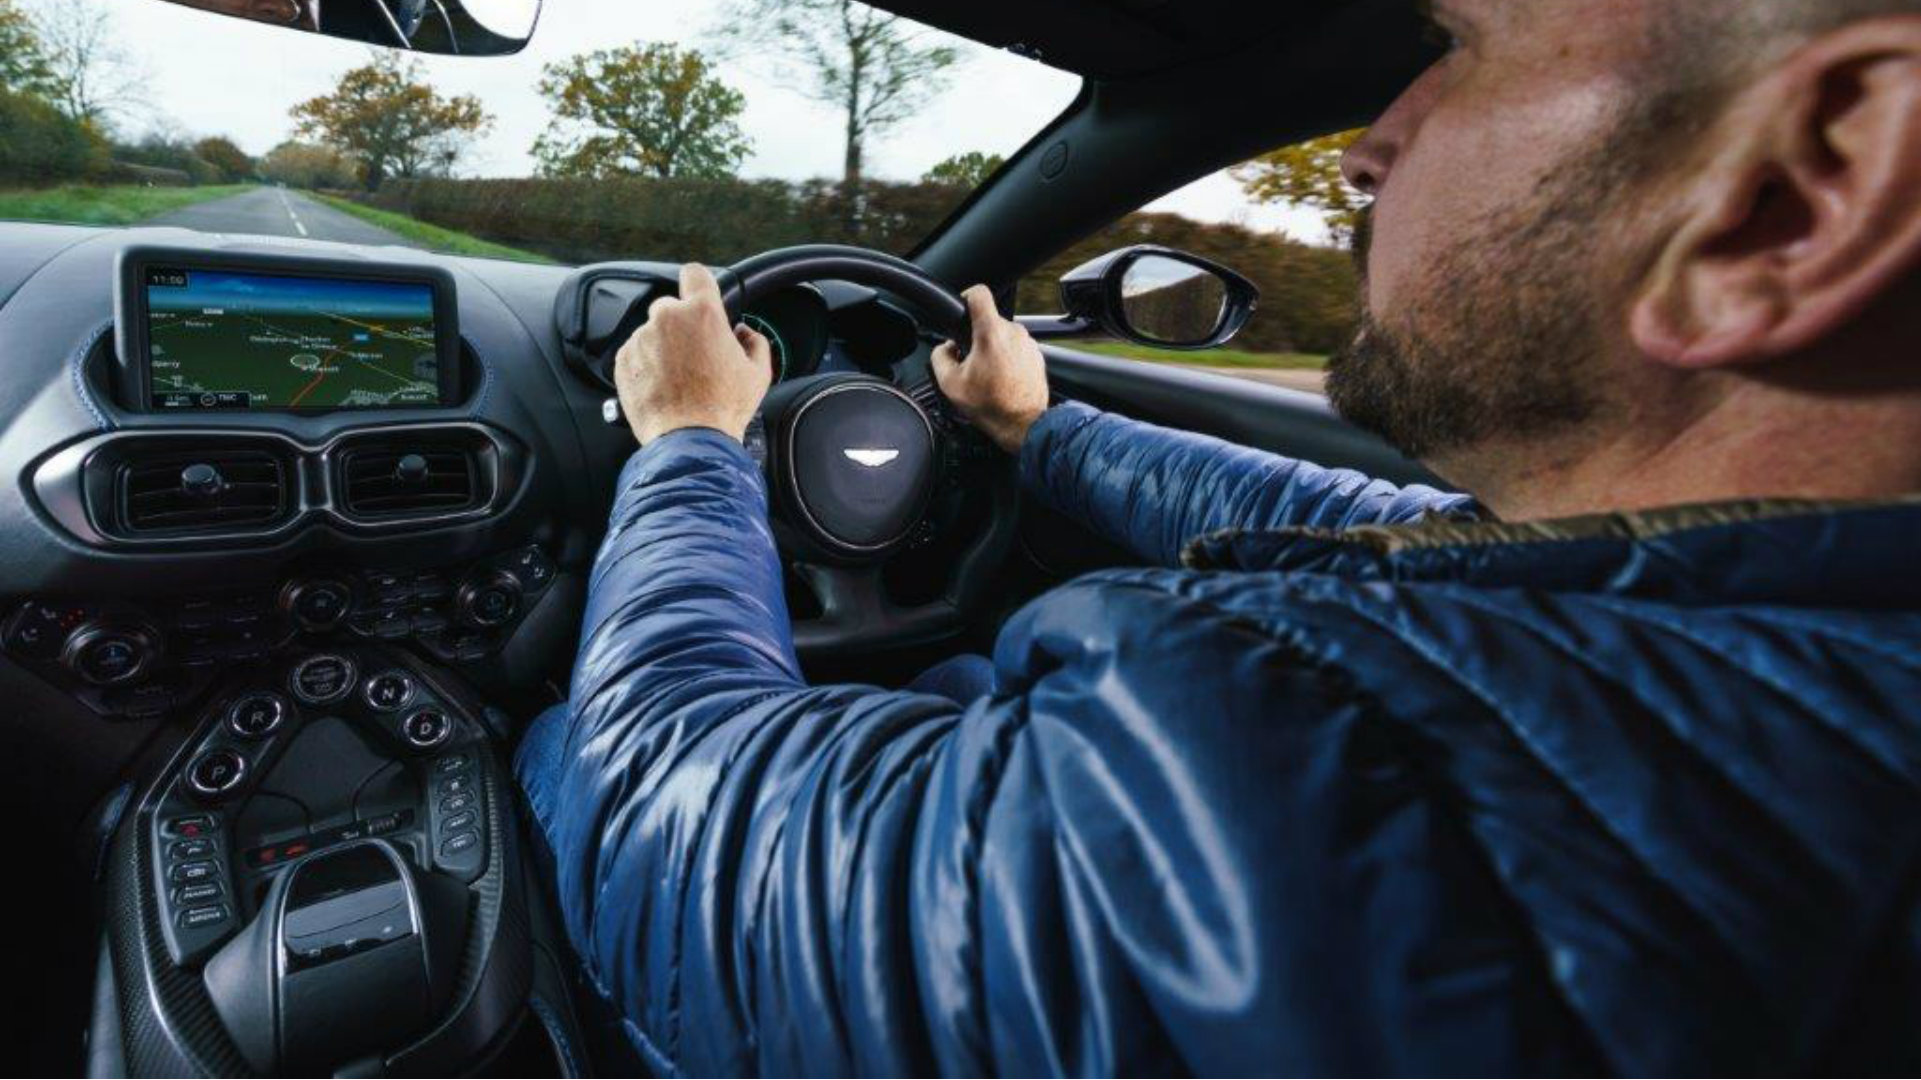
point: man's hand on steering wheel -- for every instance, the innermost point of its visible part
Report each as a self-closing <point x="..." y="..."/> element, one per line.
<point x="687" y="368"/>
<point x="1001" y="388"/>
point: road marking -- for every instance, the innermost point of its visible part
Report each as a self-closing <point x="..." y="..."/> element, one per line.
<point x="287" y="204"/>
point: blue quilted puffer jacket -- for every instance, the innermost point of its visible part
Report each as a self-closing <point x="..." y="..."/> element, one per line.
<point x="1366" y="788"/>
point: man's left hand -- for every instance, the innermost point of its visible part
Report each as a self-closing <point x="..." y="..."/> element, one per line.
<point x="687" y="368"/>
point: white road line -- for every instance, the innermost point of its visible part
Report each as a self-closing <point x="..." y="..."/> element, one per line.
<point x="287" y="204"/>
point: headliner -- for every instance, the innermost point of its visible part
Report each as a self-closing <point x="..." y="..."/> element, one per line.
<point x="1112" y="40"/>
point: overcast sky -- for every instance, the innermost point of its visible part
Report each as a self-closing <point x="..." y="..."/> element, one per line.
<point x="209" y="74"/>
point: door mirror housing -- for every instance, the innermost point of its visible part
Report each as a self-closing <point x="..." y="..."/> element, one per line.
<point x="450" y="27"/>
<point x="1160" y="297"/>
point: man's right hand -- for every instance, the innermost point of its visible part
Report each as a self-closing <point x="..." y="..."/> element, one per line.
<point x="1001" y="388"/>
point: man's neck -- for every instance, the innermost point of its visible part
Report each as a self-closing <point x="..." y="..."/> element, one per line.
<point x="1762" y="443"/>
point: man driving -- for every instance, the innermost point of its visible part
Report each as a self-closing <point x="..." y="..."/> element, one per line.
<point x="1614" y="767"/>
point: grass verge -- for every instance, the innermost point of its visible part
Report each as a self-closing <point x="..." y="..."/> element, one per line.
<point x="430" y="236"/>
<point x="106" y="204"/>
<point x="1212" y="358"/>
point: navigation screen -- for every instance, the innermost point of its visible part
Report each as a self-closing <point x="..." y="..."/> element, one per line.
<point x="221" y="339"/>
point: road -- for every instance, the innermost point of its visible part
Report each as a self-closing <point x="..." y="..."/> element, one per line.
<point x="278" y="212"/>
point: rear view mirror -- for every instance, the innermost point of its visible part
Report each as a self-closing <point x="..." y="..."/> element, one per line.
<point x="453" y="27"/>
<point x="1160" y="297"/>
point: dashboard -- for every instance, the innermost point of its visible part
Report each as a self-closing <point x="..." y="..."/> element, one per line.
<point x="225" y="450"/>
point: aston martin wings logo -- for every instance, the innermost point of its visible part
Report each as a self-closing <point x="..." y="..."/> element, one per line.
<point x="872" y="459"/>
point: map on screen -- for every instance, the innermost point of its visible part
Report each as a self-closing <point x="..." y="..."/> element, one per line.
<point x="232" y="340"/>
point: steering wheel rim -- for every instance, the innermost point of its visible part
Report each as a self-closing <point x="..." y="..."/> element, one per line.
<point x="857" y="612"/>
<point x="769" y="272"/>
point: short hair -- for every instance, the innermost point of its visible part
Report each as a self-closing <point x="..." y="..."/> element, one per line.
<point x="1705" y="42"/>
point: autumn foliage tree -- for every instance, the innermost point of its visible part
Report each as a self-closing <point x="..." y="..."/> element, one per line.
<point x="655" y="111"/>
<point x="233" y="163"/>
<point x="307" y="165"/>
<point x="385" y="117"/>
<point x="1308" y="174"/>
<point x="968" y="170"/>
<point x="24" y="66"/>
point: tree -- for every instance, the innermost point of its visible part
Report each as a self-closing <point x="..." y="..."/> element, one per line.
<point x="23" y="59"/>
<point x="875" y="67"/>
<point x="1308" y="174"/>
<point x="969" y="170"/>
<point x="93" y="79"/>
<point x="223" y="154"/>
<point x="308" y="165"/>
<point x="39" y="144"/>
<point x="386" y="118"/>
<point x="655" y="111"/>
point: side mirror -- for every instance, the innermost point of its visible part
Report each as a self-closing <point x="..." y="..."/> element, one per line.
<point x="452" y="27"/>
<point x="1160" y="297"/>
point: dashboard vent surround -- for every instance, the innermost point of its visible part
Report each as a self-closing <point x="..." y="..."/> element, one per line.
<point x="419" y="475"/>
<point x="202" y="491"/>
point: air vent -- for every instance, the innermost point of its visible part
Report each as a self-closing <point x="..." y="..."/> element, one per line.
<point x="427" y="477"/>
<point x="202" y="491"/>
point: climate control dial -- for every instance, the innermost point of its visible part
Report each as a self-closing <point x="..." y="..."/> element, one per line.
<point x="490" y="600"/>
<point x="317" y="605"/>
<point x="108" y="655"/>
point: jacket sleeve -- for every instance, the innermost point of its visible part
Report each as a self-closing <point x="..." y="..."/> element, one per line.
<point x="731" y="847"/>
<point x="1154" y="490"/>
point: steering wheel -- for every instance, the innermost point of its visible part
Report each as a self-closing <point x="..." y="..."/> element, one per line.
<point x="854" y="462"/>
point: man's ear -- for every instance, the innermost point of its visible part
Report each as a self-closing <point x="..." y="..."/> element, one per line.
<point x="1807" y="211"/>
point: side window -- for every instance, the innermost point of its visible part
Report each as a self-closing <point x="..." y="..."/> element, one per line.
<point x="1286" y="220"/>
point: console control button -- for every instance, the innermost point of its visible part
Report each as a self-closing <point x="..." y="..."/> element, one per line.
<point x="195" y="873"/>
<point x="532" y="566"/>
<point x="454" y="804"/>
<point x="458" y="785"/>
<point x="191" y="849"/>
<point x="459" y="842"/>
<point x="463" y="820"/>
<point x="317" y="606"/>
<point x="426" y="728"/>
<point x="190" y="826"/>
<point x="257" y="716"/>
<point x="389" y="691"/>
<point x="490" y="600"/>
<point x="323" y="679"/>
<point x="216" y="773"/>
<point x="109" y="655"/>
<point x="450" y="764"/>
<point x="202" y="917"/>
<point x="198" y="894"/>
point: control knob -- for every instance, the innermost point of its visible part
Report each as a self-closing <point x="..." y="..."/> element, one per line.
<point x="317" y="605"/>
<point x="108" y="655"/>
<point x="489" y="600"/>
<point x="216" y="773"/>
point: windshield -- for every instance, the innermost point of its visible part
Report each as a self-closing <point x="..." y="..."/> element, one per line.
<point x="675" y="129"/>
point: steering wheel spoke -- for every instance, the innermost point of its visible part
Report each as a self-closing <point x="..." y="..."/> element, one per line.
<point x="856" y="613"/>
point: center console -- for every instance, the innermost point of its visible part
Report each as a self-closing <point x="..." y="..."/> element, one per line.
<point x="324" y="879"/>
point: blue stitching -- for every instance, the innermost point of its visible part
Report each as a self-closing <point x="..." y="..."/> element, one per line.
<point x="76" y="369"/>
